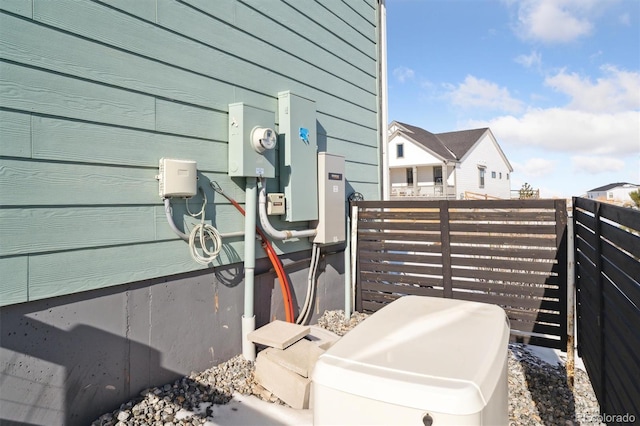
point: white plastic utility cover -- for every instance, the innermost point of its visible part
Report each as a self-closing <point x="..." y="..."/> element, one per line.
<point x="418" y="353"/>
<point x="178" y="178"/>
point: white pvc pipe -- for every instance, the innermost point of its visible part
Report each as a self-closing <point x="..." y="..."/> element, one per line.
<point x="347" y="273"/>
<point x="167" y="212"/>
<point x="269" y="229"/>
<point x="249" y="319"/>
<point x="354" y="252"/>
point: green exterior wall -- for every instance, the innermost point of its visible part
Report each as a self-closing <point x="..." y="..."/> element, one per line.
<point x="94" y="93"/>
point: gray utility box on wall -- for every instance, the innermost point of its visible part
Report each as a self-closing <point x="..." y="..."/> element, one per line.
<point x="244" y="159"/>
<point x="331" y="188"/>
<point x="298" y="156"/>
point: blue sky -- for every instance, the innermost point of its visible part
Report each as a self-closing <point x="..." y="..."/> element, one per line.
<point x="557" y="81"/>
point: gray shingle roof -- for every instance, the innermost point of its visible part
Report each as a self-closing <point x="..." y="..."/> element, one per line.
<point x="611" y="186"/>
<point x="428" y="140"/>
<point x="449" y="145"/>
<point x="460" y="142"/>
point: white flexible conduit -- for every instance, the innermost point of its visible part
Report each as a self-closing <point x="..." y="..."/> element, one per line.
<point x="266" y="225"/>
<point x="307" y="308"/>
<point x="199" y="235"/>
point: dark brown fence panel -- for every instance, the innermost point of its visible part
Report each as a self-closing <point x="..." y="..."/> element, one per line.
<point x="507" y="252"/>
<point x="607" y="254"/>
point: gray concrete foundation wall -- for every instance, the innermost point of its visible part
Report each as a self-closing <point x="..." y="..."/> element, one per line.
<point x="69" y="359"/>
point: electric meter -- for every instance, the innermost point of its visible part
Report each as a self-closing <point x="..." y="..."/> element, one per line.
<point x="262" y="139"/>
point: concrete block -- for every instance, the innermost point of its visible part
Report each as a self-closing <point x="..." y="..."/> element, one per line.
<point x="299" y="357"/>
<point x="278" y="334"/>
<point x="322" y="337"/>
<point x="287" y="385"/>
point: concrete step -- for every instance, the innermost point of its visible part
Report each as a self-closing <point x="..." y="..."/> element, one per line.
<point x="278" y="334"/>
<point x="284" y="383"/>
<point x="322" y="337"/>
<point x="284" y="368"/>
<point x="300" y="357"/>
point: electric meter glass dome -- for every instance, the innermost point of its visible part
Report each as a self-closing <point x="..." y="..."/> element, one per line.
<point x="263" y="139"/>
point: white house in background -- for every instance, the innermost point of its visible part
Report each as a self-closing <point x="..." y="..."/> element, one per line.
<point x="615" y="193"/>
<point x="453" y="165"/>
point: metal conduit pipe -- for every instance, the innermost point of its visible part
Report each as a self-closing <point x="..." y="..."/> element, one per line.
<point x="268" y="228"/>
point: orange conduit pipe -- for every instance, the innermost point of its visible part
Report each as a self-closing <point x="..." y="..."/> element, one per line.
<point x="273" y="257"/>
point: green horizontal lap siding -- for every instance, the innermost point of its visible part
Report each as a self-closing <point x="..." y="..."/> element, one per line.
<point x="35" y="230"/>
<point x="58" y="139"/>
<point x="71" y="55"/>
<point x="35" y="183"/>
<point x="241" y="68"/>
<point x="14" y="272"/>
<point x="15" y="134"/>
<point x="94" y="93"/>
<point x="259" y="52"/>
<point x="145" y="9"/>
<point x="27" y="89"/>
<point x="19" y="7"/>
<point x="61" y="273"/>
<point x="315" y="32"/>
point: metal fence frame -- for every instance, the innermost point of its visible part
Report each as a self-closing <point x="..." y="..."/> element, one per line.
<point x="607" y="255"/>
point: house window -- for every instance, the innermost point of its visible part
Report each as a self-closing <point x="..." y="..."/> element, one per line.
<point x="507" y="176"/>
<point x="437" y="175"/>
<point x="500" y="174"/>
<point x="409" y="176"/>
<point x="493" y="175"/>
<point x="400" y="150"/>
<point x="481" y="172"/>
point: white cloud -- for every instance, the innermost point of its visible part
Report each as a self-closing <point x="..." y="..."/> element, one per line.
<point x="554" y="20"/>
<point x="479" y="93"/>
<point x="602" y="117"/>
<point x="426" y="84"/>
<point x="535" y="167"/>
<point x="403" y="74"/>
<point x="595" y="165"/>
<point x="625" y="19"/>
<point x="563" y="130"/>
<point x="532" y="60"/>
<point x="618" y="90"/>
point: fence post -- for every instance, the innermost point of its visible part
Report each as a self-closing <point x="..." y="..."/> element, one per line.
<point x="445" y="240"/>
<point x="571" y="284"/>
<point x="603" y="376"/>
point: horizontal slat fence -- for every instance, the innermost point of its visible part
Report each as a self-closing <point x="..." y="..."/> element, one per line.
<point x="507" y="252"/>
<point x="607" y="254"/>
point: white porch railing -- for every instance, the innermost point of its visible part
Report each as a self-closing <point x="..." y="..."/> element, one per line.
<point x="424" y="191"/>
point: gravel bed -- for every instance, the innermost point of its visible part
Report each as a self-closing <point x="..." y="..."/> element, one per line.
<point x="538" y="391"/>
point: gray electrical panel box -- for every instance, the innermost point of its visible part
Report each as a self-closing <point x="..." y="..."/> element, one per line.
<point x="298" y="156"/>
<point x="251" y="146"/>
<point x="331" y="189"/>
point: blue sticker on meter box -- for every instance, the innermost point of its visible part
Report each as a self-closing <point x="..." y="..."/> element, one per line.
<point x="304" y="135"/>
